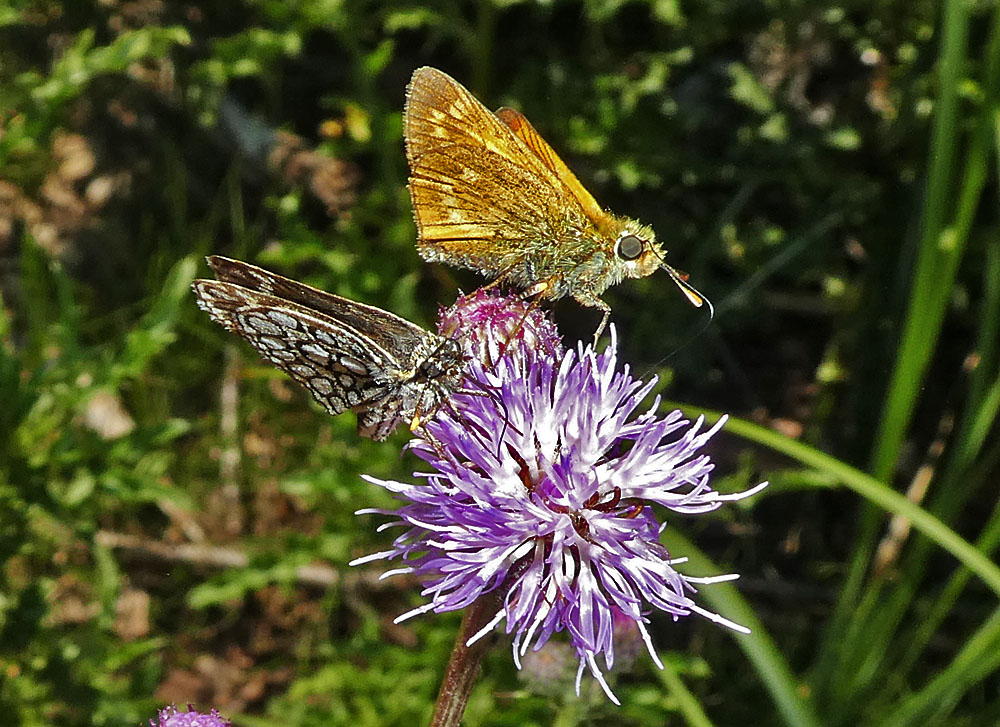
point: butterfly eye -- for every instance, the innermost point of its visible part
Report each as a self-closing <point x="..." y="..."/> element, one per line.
<point x="430" y="369"/>
<point x="630" y="247"/>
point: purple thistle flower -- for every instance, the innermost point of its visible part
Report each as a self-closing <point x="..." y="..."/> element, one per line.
<point x="545" y="485"/>
<point x="171" y="717"/>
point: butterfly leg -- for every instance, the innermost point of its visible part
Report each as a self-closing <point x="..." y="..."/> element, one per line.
<point x="421" y="415"/>
<point x="493" y="283"/>
<point x="418" y="422"/>
<point x="592" y="301"/>
<point x="418" y="429"/>
<point x="606" y="309"/>
<point x="491" y="393"/>
<point x="517" y="328"/>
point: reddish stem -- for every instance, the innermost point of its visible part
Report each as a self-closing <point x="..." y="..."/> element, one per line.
<point x="463" y="665"/>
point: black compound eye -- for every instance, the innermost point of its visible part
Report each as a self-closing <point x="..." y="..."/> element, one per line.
<point x="630" y="247"/>
<point x="430" y="369"/>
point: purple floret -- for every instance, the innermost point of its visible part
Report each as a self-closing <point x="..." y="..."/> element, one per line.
<point x="171" y="717"/>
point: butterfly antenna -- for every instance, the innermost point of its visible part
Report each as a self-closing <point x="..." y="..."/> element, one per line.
<point x="696" y="299"/>
<point x="690" y="292"/>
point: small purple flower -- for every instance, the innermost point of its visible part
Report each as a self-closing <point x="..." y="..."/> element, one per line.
<point x="171" y="717"/>
<point x="545" y="485"/>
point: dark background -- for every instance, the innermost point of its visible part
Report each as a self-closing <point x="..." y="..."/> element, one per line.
<point x="825" y="173"/>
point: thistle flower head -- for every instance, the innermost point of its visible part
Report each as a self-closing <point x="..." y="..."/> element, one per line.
<point x="492" y="325"/>
<point x="547" y="486"/>
<point x="171" y="717"/>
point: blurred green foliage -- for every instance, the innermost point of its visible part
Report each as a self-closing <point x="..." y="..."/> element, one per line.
<point x="826" y="173"/>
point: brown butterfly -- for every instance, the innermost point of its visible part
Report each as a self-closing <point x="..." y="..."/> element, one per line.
<point x="348" y="355"/>
<point x="491" y="195"/>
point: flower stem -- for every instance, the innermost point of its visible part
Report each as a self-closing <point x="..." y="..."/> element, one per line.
<point x="463" y="665"/>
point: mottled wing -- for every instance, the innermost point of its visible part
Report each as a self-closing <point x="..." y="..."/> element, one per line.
<point x="522" y="128"/>
<point x="481" y="197"/>
<point x="395" y="335"/>
<point x="341" y="368"/>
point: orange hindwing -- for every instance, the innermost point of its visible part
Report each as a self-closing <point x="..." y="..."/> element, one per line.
<point x="519" y="124"/>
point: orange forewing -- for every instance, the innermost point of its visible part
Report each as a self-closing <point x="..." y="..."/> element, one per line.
<point x="475" y="180"/>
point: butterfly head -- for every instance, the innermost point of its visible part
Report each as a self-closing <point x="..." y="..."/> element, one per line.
<point x="636" y="251"/>
<point x="444" y="359"/>
<point x="639" y="255"/>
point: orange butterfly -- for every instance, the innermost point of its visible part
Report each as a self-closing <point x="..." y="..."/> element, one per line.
<point x="491" y="195"/>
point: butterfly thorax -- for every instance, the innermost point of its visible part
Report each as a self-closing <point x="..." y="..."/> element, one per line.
<point x="437" y="367"/>
<point x="576" y="257"/>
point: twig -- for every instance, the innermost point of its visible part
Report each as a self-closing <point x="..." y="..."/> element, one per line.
<point x="899" y="526"/>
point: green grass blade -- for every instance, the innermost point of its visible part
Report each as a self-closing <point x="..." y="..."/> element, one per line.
<point x="987" y="543"/>
<point x="687" y="704"/>
<point x="938" y="255"/>
<point x="759" y="647"/>
<point x="865" y="485"/>
<point x="979" y="658"/>
<point x="936" y="252"/>
<point x="955" y="484"/>
<point x="882" y="614"/>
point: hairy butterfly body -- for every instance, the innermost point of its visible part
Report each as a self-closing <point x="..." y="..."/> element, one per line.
<point x="347" y="354"/>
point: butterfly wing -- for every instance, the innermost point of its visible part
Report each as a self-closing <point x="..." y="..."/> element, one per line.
<point x="341" y="367"/>
<point x="481" y="197"/>
<point x="380" y="420"/>
<point x="397" y="336"/>
<point x="522" y="128"/>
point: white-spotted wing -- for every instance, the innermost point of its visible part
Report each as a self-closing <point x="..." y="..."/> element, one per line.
<point x="347" y="354"/>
